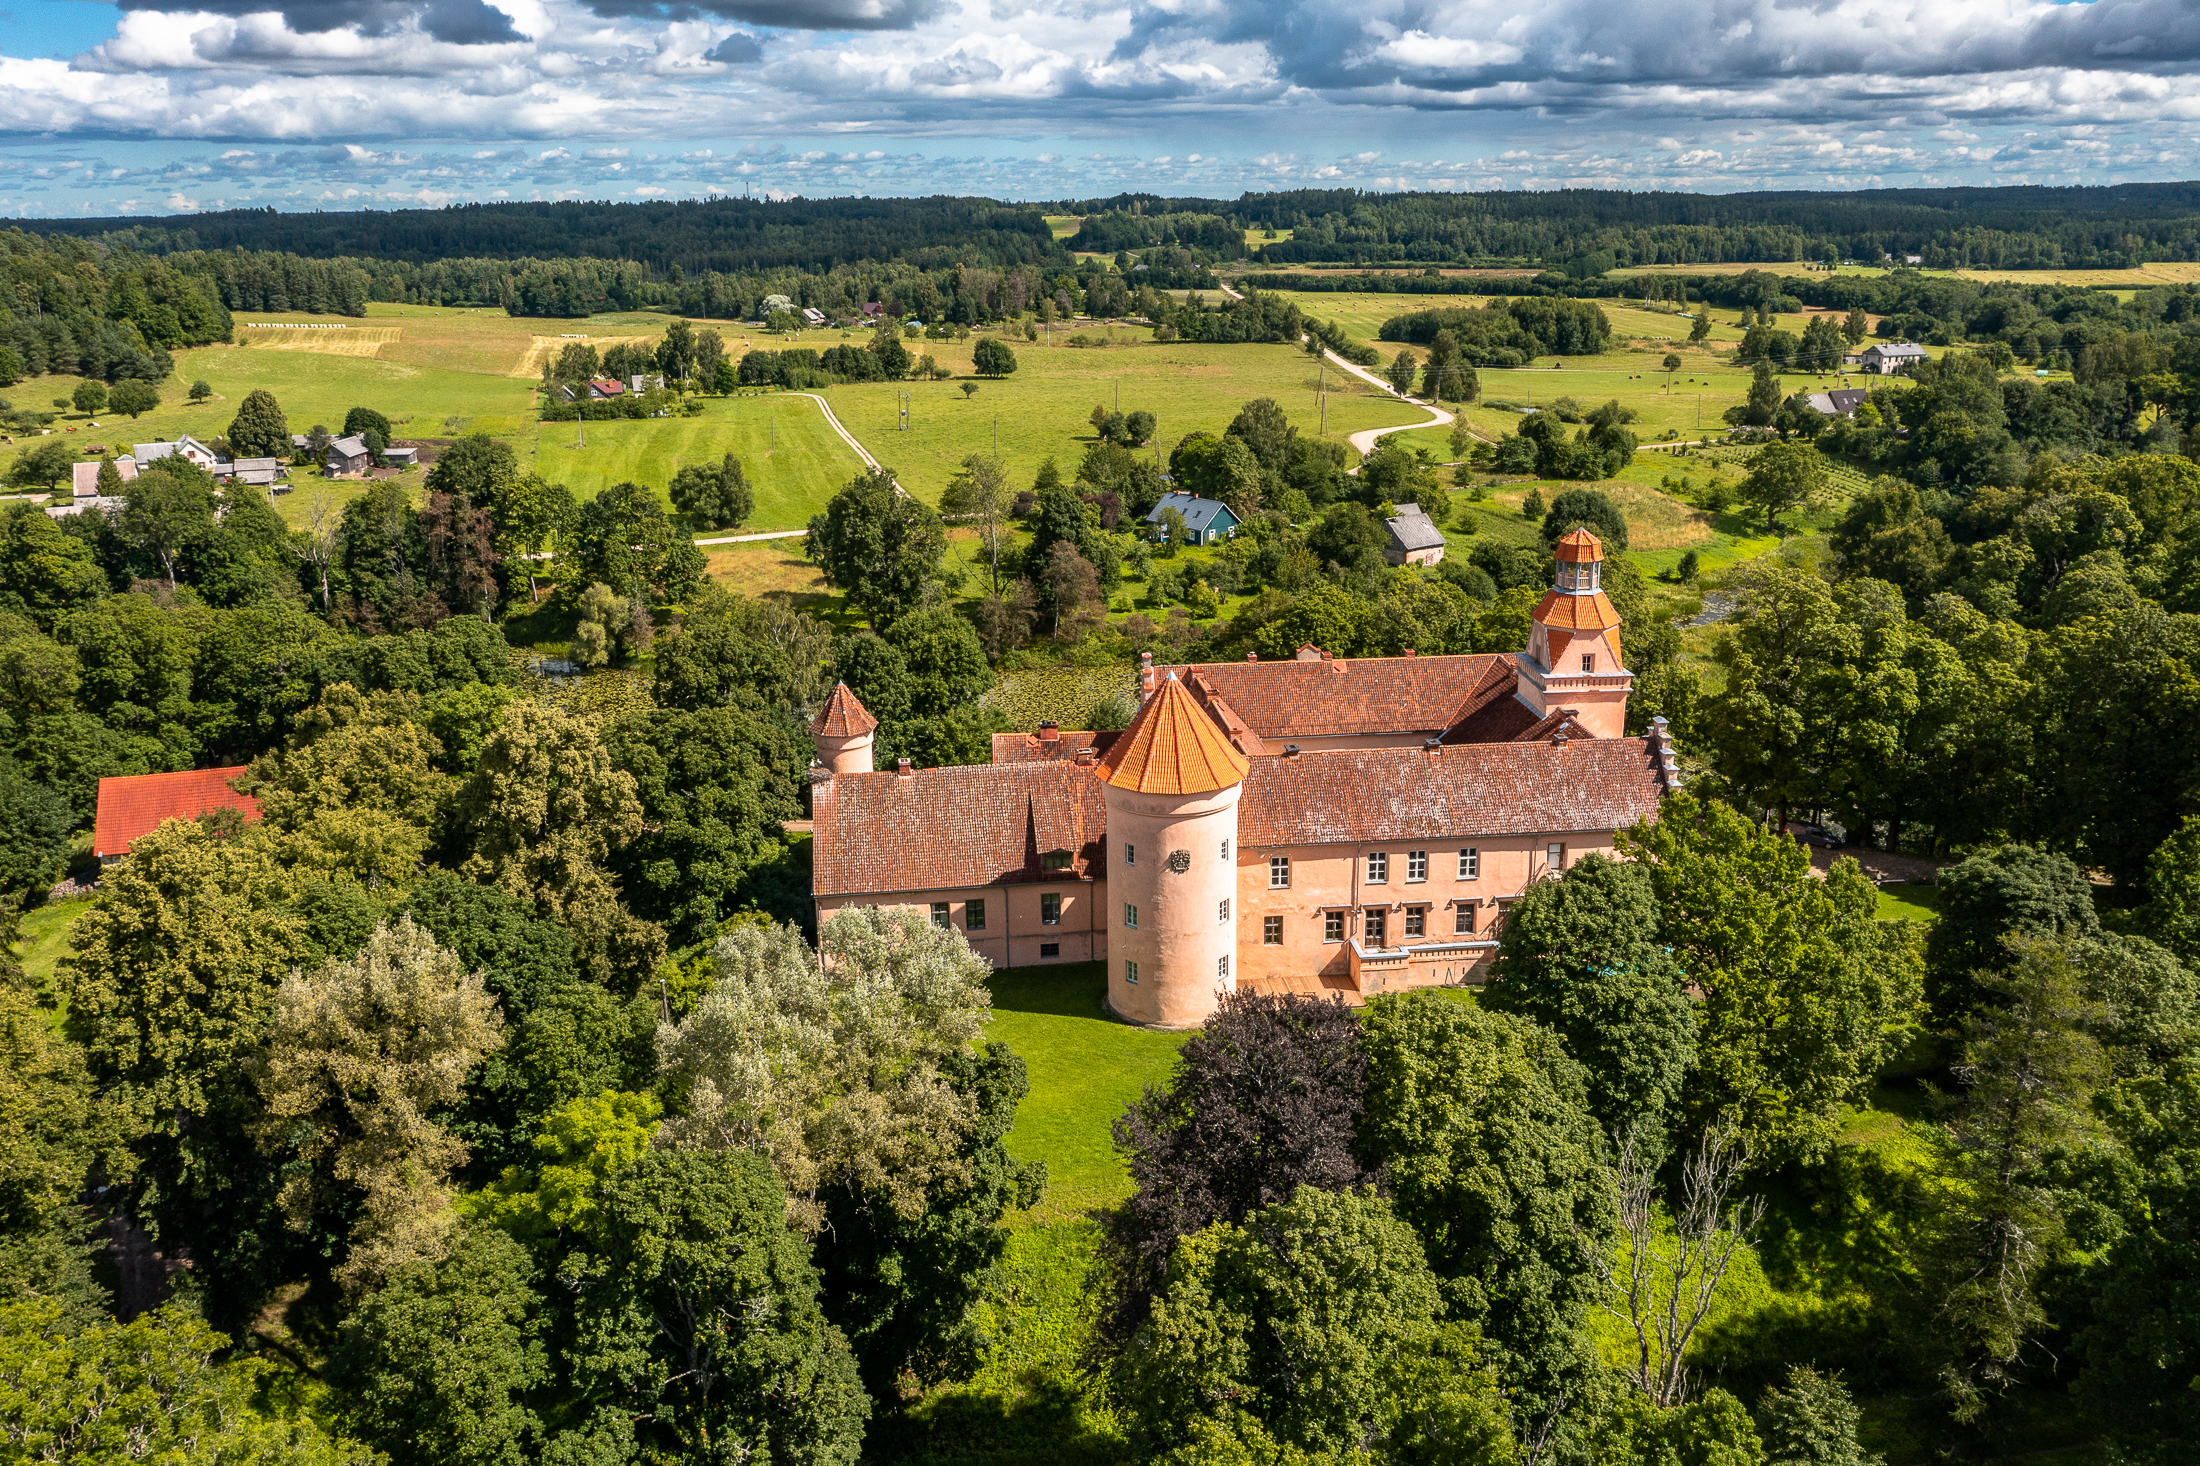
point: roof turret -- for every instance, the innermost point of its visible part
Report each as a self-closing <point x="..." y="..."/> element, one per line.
<point x="843" y="716"/>
<point x="1173" y="747"/>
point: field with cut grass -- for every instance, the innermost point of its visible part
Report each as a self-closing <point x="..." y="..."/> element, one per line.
<point x="791" y="455"/>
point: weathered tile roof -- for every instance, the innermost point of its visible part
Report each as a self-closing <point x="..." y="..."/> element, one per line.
<point x="134" y="805"/>
<point x="1173" y="746"/>
<point x="1578" y="545"/>
<point x="1030" y="748"/>
<point x="969" y="825"/>
<point x="1473" y="791"/>
<point x="1414" y="530"/>
<point x="843" y="716"/>
<point x="1342" y="698"/>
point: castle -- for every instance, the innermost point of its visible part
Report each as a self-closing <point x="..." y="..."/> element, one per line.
<point x="1318" y="825"/>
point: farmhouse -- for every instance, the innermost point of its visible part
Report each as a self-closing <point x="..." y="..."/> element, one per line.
<point x="1316" y="825"/>
<point x="1887" y="359"/>
<point x="1841" y="402"/>
<point x="186" y="447"/>
<point x="1414" y="537"/>
<point x="133" y="806"/>
<point x="348" y="455"/>
<point x="84" y="477"/>
<point x="1206" y="522"/>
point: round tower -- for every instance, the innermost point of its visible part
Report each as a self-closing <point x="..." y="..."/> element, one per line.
<point x="1572" y="659"/>
<point x="842" y="733"/>
<point x="1172" y="785"/>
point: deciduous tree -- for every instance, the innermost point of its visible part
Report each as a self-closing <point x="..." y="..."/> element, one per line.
<point x="259" y="430"/>
<point x="877" y="545"/>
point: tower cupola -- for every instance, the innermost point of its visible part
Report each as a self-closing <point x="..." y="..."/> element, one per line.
<point x="1572" y="658"/>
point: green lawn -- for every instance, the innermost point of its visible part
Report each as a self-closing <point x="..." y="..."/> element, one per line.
<point x="1916" y="902"/>
<point x="1085" y="1067"/>
<point x="43" y="939"/>
<point x="793" y="458"/>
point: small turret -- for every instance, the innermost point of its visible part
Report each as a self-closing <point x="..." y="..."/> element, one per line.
<point x="843" y="732"/>
<point x="1572" y="658"/>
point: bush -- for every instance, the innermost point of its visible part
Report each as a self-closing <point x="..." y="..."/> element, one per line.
<point x="993" y="358"/>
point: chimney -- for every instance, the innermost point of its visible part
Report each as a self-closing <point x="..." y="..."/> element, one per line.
<point x="1290" y="750"/>
<point x="1558" y="739"/>
<point x="1145" y="676"/>
<point x="902" y="769"/>
<point x="1084" y="758"/>
<point x="1409" y="651"/>
<point x="1327" y="657"/>
<point x="1433" y="747"/>
<point x="1308" y="652"/>
<point x="1252" y="656"/>
<point x="1050" y="732"/>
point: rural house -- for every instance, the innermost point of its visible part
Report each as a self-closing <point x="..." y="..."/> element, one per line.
<point x="1318" y="825"/>
<point x="1887" y="359"/>
<point x="1841" y="402"/>
<point x="1206" y="521"/>
<point x="348" y="456"/>
<point x="186" y="447"/>
<point x="135" y="805"/>
<point x="1414" y="537"/>
<point x="84" y="477"/>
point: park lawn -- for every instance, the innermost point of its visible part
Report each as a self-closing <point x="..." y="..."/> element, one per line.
<point x="792" y="457"/>
<point x="1044" y="410"/>
<point x="42" y="939"/>
<point x="1899" y="900"/>
<point x="1084" y="1067"/>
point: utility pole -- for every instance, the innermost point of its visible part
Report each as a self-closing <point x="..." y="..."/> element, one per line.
<point x="580" y="407"/>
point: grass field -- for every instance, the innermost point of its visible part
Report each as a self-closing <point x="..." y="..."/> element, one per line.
<point x="792" y="457"/>
<point x="43" y="938"/>
<point x="1043" y="410"/>
<point x="1085" y="1067"/>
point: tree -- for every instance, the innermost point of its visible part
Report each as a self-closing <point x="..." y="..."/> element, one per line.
<point x="1482" y="1123"/>
<point x="980" y="491"/>
<point x="90" y="396"/>
<point x="1809" y="1420"/>
<point x="201" y="390"/>
<point x="34" y="832"/>
<point x="993" y="358"/>
<point x="167" y="510"/>
<point x="1700" y="328"/>
<point x="1590" y="509"/>
<point x="623" y="539"/>
<point x="353" y="791"/>
<point x="134" y="397"/>
<point x="2030" y="1069"/>
<point x="714" y="495"/>
<point x="532" y="515"/>
<point x="1072" y="588"/>
<point x="541" y="817"/>
<point x="877" y="545"/>
<point x="1401" y="372"/>
<point x="1264" y="1099"/>
<point x="893" y="357"/>
<point x="1804" y="992"/>
<point x="361" y="421"/>
<point x="436" y="1365"/>
<point x="831" y="1064"/>
<point x="1584" y="957"/>
<point x="41" y="466"/>
<point x="1855" y="326"/>
<point x="1315" y="1327"/>
<point x="360" y="1053"/>
<point x="477" y="467"/>
<point x="1663" y="1285"/>
<point x="259" y="430"/>
<point x="702" y="1320"/>
<point x="1672" y="364"/>
<point x="1448" y="376"/>
<point x="714" y="785"/>
<point x="2008" y="892"/>
<point x="146" y="1390"/>
<point x="1783" y="476"/>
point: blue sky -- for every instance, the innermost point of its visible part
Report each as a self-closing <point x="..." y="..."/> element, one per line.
<point x="163" y="106"/>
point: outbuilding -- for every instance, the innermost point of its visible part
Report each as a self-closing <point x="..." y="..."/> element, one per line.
<point x="1206" y="521"/>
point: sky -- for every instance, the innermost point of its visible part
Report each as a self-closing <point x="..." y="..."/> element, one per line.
<point x="155" y="107"/>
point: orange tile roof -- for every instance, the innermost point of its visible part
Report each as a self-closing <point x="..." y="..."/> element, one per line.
<point x="1577" y="613"/>
<point x="843" y="715"/>
<point x="1578" y="545"/>
<point x="1030" y="748"/>
<point x="134" y="805"/>
<point x="1172" y="747"/>
<point x="956" y="827"/>
<point x="1474" y="791"/>
<point x="1355" y="697"/>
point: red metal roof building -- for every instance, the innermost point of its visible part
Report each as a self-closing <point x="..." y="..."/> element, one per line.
<point x="135" y="805"/>
<point x="1320" y="824"/>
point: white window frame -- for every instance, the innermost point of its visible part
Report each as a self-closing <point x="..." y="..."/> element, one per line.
<point x="1222" y="912"/>
<point x="1554" y="855"/>
<point x="942" y="915"/>
<point x="1130" y="973"/>
<point x="1416" y="866"/>
<point x="1222" y="968"/>
<point x="1333" y="921"/>
<point x="1130" y="916"/>
<point x="1470" y="864"/>
<point x="1378" y="868"/>
<point x="1044" y="898"/>
<point x="1279" y="866"/>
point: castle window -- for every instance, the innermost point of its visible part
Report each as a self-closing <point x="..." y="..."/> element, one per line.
<point x="1130" y="915"/>
<point x="1588" y="661"/>
<point x="1378" y="926"/>
<point x="1416" y="921"/>
<point x="939" y="915"/>
<point x="1462" y="921"/>
<point x="1130" y="855"/>
<point x="1226" y="850"/>
<point x="1470" y="865"/>
<point x="1050" y="909"/>
<point x="1555" y="855"/>
<point x="973" y="916"/>
<point x="1050" y="949"/>
<point x="1271" y="931"/>
<point x="1222" y="912"/>
<point x="1279" y="872"/>
<point x="1130" y="973"/>
<point x="1054" y="860"/>
<point x="1332" y="926"/>
<point x="1417" y="865"/>
<point x="1222" y="969"/>
<point x="1378" y="868"/>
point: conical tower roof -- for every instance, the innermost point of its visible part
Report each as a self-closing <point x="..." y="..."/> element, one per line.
<point x="843" y="716"/>
<point x="1578" y="545"/>
<point x="1173" y="747"/>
